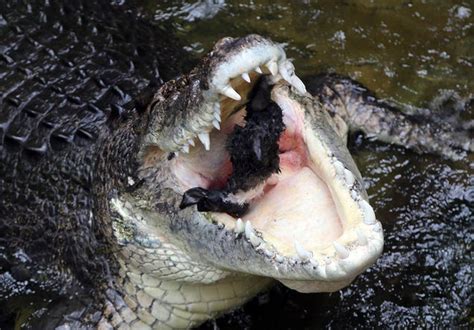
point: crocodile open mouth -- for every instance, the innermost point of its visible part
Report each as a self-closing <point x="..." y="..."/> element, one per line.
<point x="310" y="209"/>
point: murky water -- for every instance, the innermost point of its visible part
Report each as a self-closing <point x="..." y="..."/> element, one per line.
<point x="408" y="52"/>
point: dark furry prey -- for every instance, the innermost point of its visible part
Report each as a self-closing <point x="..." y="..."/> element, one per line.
<point x="253" y="148"/>
<point x="253" y="151"/>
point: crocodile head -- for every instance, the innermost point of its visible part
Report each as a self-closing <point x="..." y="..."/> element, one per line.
<point x="307" y="224"/>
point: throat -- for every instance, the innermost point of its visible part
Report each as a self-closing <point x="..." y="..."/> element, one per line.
<point x="299" y="207"/>
<point x="160" y="303"/>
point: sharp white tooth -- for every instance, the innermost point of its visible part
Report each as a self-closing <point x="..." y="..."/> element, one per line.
<point x="339" y="167"/>
<point x="268" y="253"/>
<point x="254" y="240"/>
<point x="361" y="238"/>
<point x="239" y="226"/>
<point x="378" y="227"/>
<point x="186" y="149"/>
<point x="287" y="70"/>
<point x="354" y="195"/>
<point x="217" y="115"/>
<point x="298" y="84"/>
<point x="205" y="140"/>
<point x="349" y="177"/>
<point x="332" y="269"/>
<point x="217" y="109"/>
<point x="369" y="214"/>
<point x="279" y="258"/>
<point x="258" y="70"/>
<point x="302" y="252"/>
<point x="191" y="142"/>
<point x="248" y="229"/>
<point x="231" y="93"/>
<point x="246" y="77"/>
<point x="273" y="67"/>
<point x="341" y="251"/>
<point x="216" y="124"/>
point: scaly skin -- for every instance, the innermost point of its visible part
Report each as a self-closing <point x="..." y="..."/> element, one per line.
<point x="87" y="190"/>
<point x="355" y="108"/>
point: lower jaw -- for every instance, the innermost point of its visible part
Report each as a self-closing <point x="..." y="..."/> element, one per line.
<point x="316" y="286"/>
<point x="298" y="208"/>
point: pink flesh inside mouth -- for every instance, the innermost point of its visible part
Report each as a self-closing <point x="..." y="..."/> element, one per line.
<point x="294" y="204"/>
<point x="297" y="204"/>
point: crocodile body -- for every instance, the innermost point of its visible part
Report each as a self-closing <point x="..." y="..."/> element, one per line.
<point x="79" y="158"/>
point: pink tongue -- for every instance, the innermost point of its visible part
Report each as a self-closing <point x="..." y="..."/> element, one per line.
<point x="299" y="207"/>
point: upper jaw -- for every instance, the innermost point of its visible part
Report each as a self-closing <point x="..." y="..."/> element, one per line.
<point x="196" y="100"/>
<point x="251" y="53"/>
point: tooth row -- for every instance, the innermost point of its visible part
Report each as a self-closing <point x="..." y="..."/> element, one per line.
<point x="250" y="234"/>
<point x="286" y="69"/>
<point x="302" y="254"/>
<point x="204" y="135"/>
<point x="349" y="179"/>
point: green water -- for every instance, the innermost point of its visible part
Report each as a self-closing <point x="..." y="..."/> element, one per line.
<point x="405" y="50"/>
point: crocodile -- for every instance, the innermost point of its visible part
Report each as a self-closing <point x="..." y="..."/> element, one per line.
<point x="95" y="212"/>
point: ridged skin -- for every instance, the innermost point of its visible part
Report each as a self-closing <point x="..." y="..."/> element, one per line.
<point x="355" y="106"/>
<point x="67" y="72"/>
